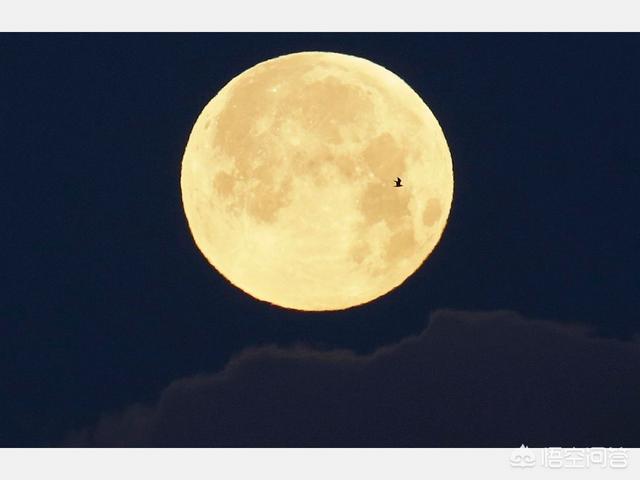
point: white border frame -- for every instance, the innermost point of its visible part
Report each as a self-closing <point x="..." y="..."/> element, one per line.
<point x="320" y="15"/>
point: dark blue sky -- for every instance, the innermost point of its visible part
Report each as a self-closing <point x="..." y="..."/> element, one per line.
<point x="105" y="299"/>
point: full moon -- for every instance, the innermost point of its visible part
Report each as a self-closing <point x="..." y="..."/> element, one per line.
<point x="289" y="181"/>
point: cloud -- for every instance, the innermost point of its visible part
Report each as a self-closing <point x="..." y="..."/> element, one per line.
<point x="471" y="379"/>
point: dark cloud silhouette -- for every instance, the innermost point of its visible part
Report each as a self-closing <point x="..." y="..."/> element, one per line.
<point x="469" y="380"/>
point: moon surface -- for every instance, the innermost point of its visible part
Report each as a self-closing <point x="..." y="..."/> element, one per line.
<point x="288" y="181"/>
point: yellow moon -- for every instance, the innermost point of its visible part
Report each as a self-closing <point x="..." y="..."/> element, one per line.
<point x="288" y="181"/>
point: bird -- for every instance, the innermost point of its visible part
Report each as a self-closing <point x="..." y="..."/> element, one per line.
<point x="398" y="182"/>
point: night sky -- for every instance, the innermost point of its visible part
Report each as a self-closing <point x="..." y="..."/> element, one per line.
<point x="524" y="321"/>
